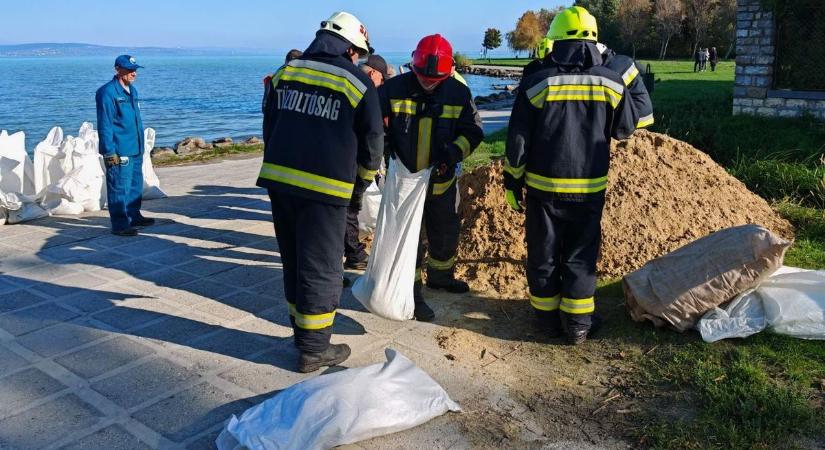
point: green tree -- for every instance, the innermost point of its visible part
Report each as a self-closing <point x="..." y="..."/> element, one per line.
<point x="668" y="16"/>
<point x="492" y="40"/>
<point x="634" y="21"/>
<point x="546" y="16"/>
<point x="606" y="13"/>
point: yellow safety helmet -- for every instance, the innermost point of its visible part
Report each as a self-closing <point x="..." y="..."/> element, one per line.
<point x="350" y="28"/>
<point x="544" y="47"/>
<point x="573" y="23"/>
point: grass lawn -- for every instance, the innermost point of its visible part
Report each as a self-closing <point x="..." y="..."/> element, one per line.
<point x="502" y="61"/>
<point x="766" y="391"/>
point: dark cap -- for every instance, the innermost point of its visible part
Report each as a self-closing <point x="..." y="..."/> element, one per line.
<point x="127" y="62"/>
<point x="378" y="63"/>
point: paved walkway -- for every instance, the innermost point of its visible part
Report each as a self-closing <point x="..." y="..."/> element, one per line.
<point x="152" y="342"/>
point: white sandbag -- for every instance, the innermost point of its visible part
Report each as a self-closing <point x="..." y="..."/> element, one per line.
<point x="21" y="208"/>
<point x="85" y="180"/>
<point x="340" y="408"/>
<point x="386" y="288"/>
<point x="370" y="205"/>
<point x="48" y="162"/>
<point x="151" y="182"/>
<point x="65" y="207"/>
<point x="16" y="168"/>
<point x="88" y="133"/>
<point x="790" y="302"/>
<point x="5" y="207"/>
<point x="742" y="317"/>
<point x="794" y="303"/>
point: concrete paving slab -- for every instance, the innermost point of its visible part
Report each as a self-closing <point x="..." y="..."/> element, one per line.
<point x="112" y="437"/>
<point x="26" y="386"/>
<point x="192" y="411"/>
<point x="41" y="425"/>
<point x="152" y="342"/>
<point x="98" y="359"/>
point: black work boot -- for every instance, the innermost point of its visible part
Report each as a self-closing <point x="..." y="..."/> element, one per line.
<point x="576" y="332"/>
<point x="143" y="222"/>
<point x="334" y="354"/>
<point x="445" y="279"/>
<point x="549" y="322"/>
<point x="423" y="313"/>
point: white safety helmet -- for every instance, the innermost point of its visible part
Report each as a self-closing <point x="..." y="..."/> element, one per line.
<point x="350" y="28"/>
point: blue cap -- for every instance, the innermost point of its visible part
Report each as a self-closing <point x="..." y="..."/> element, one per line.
<point x="127" y="62"/>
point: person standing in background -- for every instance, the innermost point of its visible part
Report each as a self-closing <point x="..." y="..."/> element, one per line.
<point x="292" y="54"/>
<point x="714" y="59"/>
<point x="697" y="59"/>
<point x="120" y="129"/>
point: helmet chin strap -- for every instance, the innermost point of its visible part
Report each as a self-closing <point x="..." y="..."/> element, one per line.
<point x="427" y="85"/>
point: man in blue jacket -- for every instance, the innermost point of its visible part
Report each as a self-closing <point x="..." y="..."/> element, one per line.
<point x="120" y="130"/>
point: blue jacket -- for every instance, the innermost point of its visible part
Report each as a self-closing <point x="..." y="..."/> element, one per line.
<point x="119" y="126"/>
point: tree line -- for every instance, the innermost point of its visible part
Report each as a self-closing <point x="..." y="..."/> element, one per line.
<point x="643" y="28"/>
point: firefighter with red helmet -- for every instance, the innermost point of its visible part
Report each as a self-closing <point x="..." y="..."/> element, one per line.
<point x="432" y="121"/>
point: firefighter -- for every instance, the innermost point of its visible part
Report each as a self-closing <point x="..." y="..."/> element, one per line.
<point x="542" y="50"/>
<point x="432" y="121"/>
<point x="324" y="140"/>
<point x="558" y="146"/>
<point x="629" y="71"/>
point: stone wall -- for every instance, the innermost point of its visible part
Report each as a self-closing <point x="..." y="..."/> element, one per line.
<point x="753" y="91"/>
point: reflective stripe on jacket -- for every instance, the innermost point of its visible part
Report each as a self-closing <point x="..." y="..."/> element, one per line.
<point x="426" y="129"/>
<point x="322" y="128"/>
<point x="558" y="141"/>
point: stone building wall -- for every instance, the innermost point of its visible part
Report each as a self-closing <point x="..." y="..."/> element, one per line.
<point x="753" y="91"/>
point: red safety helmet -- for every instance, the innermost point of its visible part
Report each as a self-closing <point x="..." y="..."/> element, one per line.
<point x="433" y="60"/>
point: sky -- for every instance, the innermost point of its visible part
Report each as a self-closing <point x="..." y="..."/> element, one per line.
<point x="258" y="24"/>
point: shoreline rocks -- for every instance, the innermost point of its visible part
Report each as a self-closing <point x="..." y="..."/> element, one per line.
<point x="194" y="145"/>
<point x="497" y="72"/>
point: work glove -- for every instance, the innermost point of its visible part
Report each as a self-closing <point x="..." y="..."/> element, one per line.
<point x="355" y="201"/>
<point x="515" y="199"/>
<point x="447" y="157"/>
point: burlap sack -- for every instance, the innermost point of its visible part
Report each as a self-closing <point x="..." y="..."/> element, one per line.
<point x="678" y="288"/>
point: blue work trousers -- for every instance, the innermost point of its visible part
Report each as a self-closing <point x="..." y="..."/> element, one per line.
<point x="124" y="189"/>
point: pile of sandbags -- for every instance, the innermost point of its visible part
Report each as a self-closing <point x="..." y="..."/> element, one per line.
<point x="17" y="192"/>
<point x="66" y="177"/>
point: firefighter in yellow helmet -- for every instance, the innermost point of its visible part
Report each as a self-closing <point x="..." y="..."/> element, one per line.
<point x="324" y="138"/>
<point x="558" y="145"/>
<point x="542" y="50"/>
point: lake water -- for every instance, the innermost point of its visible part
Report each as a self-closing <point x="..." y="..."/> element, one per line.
<point x="208" y="96"/>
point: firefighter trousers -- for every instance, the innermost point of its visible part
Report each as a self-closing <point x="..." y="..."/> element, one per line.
<point x="441" y="226"/>
<point x="311" y="242"/>
<point x="354" y="249"/>
<point x="563" y="240"/>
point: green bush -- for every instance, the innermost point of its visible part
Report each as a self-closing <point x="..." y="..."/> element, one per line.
<point x="773" y="179"/>
<point x="462" y="61"/>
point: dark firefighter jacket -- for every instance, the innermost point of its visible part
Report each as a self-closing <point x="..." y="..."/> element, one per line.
<point x="322" y="126"/>
<point x="564" y="116"/>
<point x="424" y="130"/>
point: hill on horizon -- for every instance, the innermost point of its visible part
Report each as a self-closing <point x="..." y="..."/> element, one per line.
<point x="81" y="49"/>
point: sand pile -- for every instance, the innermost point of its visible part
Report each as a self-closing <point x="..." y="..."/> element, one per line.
<point x="662" y="194"/>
